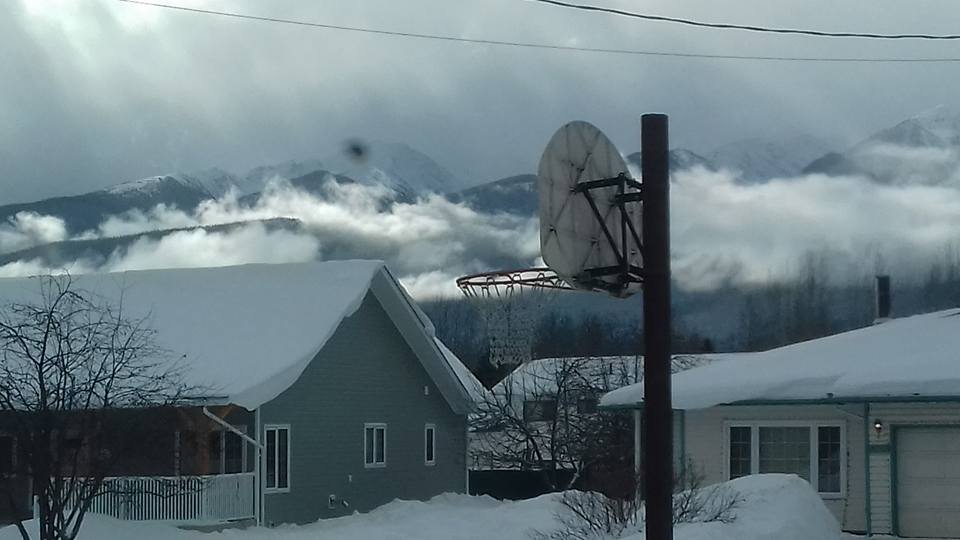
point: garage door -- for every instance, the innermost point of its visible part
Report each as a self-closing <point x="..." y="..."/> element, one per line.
<point x="928" y="482"/>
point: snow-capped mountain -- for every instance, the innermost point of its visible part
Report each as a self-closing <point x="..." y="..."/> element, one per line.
<point x="518" y="194"/>
<point x="257" y="178"/>
<point x="923" y="149"/>
<point x="758" y="160"/>
<point x="213" y="182"/>
<point x="680" y="159"/>
<point x="394" y="165"/>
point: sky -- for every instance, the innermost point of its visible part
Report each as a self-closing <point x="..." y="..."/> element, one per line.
<point x="96" y="92"/>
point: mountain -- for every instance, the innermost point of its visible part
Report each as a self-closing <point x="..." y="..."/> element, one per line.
<point x="680" y="159"/>
<point x="758" y="160"/>
<point x="394" y="165"/>
<point x="257" y="178"/>
<point x="515" y="195"/>
<point x="81" y="213"/>
<point x="518" y="194"/>
<point x="923" y="149"/>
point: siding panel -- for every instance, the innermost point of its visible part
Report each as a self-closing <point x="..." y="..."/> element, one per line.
<point x="365" y="373"/>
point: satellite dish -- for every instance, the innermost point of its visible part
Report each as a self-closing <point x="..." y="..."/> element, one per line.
<point x="590" y="212"/>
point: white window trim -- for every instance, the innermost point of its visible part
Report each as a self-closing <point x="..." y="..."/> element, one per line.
<point x="276" y="472"/>
<point x="375" y="426"/>
<point x="814" y="448"/>
<point x="433" y="444"/>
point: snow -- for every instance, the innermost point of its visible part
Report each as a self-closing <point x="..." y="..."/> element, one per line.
<point x="774" y="507"/>
<point x="245" y="333"/>
<point x="540" y="376"/>
<point x="912" y="357"/>
<point x="142" y="185"/>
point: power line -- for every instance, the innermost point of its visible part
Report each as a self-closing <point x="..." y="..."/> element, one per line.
<point x="548" y="46"/>
<point x="750" y="28"/>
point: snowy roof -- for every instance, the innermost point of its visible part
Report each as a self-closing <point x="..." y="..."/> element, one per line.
<point x="246" y="333"/>
<point x="910" y="358"/>
<point x="540" y="376"/>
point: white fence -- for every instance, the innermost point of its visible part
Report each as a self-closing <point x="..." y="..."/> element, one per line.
<point x="213" y="498"/>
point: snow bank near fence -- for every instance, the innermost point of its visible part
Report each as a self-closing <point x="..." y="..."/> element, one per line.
<point x="775" y="507"/>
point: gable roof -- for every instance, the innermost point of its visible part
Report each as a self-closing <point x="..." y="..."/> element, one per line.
<point x="246" y="333"/>
<point x="910" y="358"/>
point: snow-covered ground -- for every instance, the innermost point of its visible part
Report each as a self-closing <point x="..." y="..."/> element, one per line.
<point x="774" y="507"/>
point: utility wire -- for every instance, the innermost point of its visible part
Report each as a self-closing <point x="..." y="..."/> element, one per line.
<point x="727" y="26"/>
<point x="547" y="46"/>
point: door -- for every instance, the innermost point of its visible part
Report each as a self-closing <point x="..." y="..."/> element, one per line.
<point x="928" y="482"/>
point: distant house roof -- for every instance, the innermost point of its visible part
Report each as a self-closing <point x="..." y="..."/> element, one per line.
<point x="909" y="358"/>
<point x="246" y="333"/>
<point x="540" y="376"/>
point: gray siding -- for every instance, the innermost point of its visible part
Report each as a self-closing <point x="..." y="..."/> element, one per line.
<point x="365" y="373"/>
<point x="705" y="446"/>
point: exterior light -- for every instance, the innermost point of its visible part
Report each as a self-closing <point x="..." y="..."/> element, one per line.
<point x="878" y="426"/>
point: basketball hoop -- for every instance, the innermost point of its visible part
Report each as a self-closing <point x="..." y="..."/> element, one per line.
<point x="511" y="302"/>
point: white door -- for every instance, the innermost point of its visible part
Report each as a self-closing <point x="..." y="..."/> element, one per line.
<point x="928" y="482"/>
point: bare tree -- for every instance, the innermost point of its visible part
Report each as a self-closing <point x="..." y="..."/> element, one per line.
<point x="588" y="515"/>
<point x="75" y="371"/>
<point x="544" y="417"/>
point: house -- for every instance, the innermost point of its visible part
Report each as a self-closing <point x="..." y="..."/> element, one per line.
<point x="533" y="431"/>
<point x="870" y="417"/>
<point x="325" y="392"/>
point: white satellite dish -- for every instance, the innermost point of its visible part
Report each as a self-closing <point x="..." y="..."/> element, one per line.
<point x="590" y="212"/>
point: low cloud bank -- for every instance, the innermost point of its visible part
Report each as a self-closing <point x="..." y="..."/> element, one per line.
<point x="724" y="232"/>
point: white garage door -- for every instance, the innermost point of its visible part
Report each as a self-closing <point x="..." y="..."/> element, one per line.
<point x="928" y="482"/>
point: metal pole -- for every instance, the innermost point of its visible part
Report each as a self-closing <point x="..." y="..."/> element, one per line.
<point x="658" y="428"/>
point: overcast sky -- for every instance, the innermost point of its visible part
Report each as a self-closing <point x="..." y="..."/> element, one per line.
<point x="97" y="92"/>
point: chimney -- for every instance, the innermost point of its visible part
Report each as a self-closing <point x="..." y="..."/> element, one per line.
<point x="882" y="299"/>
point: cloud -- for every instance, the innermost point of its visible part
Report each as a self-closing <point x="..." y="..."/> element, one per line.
<point x="97" y="91"/>
<point x="28" y="229"/>
<point x="724" y="231"/>
<point x="427" y="243"/>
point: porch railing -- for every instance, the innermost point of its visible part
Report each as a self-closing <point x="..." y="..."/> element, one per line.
<point x="213" y="498"/>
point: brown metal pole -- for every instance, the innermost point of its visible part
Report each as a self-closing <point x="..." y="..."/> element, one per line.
<point x="658" y="428"/>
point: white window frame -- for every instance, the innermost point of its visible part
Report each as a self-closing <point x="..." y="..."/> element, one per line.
<point x="276" y="473"/>
<point x="813" y="425"/>
<point x="432" y="447"/>
<point x="375" y="426"/>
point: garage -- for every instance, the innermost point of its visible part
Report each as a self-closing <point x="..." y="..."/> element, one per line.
<point x="928" y="482"/>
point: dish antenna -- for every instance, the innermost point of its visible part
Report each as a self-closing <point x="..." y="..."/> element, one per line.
<point x="590" y="212"/>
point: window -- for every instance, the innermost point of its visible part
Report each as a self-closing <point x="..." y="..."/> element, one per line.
<point x="430" y="444"/>
<point x="375" y="445"/>
<point x="785" y="450"/>
<point x="541" y="410"/>
<point x="227" y="451"/>
<point x="828" y="457"/>
<point x="812" y="450"/>
<point x="740" y="452"/>
<point x="277" y="458"/>
<point x="587" y="405"/>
